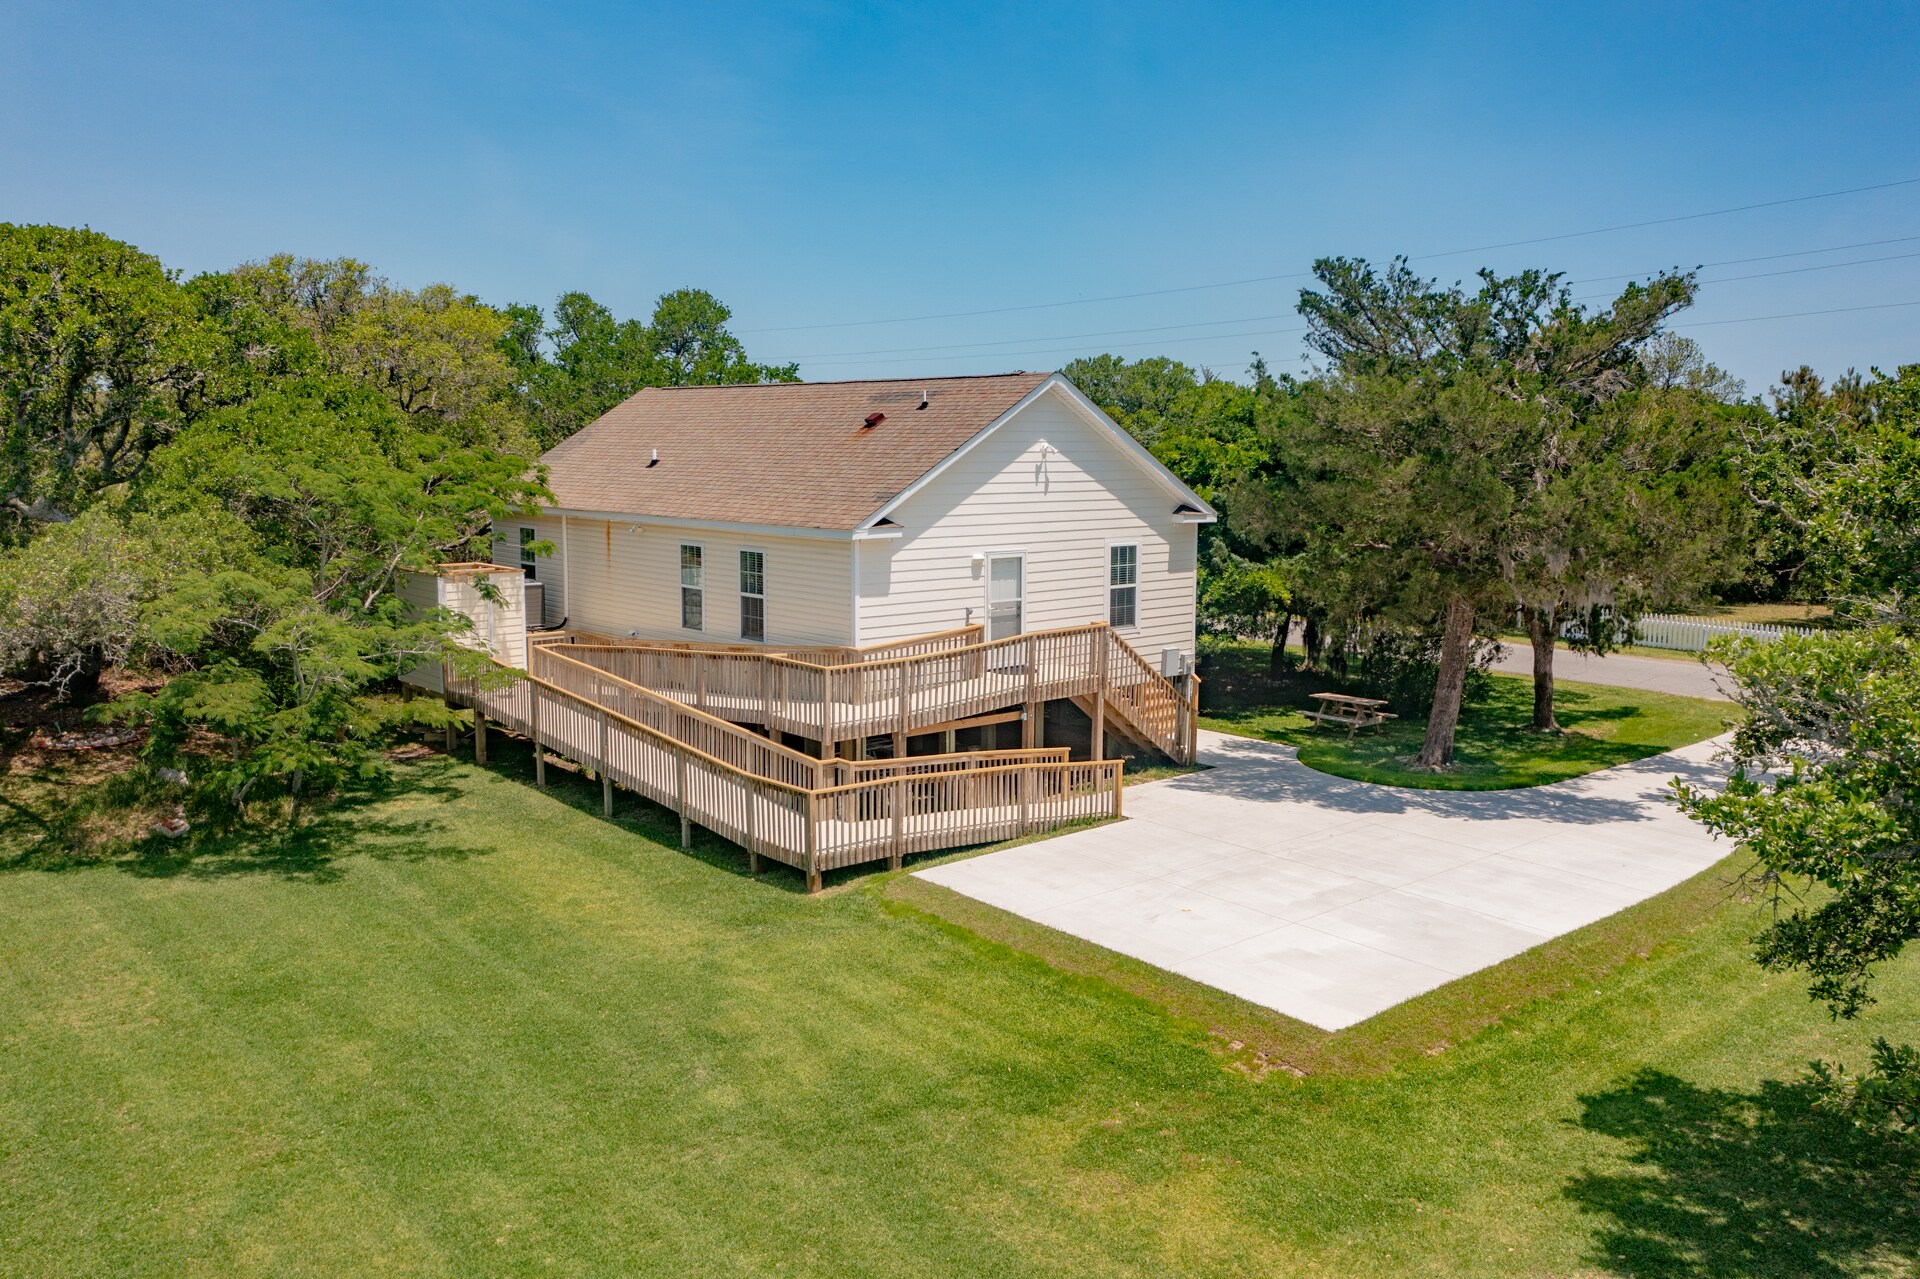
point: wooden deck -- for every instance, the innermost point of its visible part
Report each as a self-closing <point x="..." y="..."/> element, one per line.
<point x="902" y="688"/>
<point x="668" y="721"/>
<point x="771" y="800"/>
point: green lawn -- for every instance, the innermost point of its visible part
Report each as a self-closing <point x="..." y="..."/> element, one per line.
<point x="1493" y="747"/>
<point x="473" y="1029"/>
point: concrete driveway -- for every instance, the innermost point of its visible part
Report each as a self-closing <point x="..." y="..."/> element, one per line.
<point x="1331" y="900"/>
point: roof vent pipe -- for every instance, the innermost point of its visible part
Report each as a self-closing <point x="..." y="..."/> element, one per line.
<point x="923" y="399"/>
<point x="655" y="459"/>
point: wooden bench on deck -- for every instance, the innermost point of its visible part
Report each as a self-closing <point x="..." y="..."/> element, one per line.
<point x="1352" y="713"/>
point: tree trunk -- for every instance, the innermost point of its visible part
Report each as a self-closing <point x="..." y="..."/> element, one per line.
<point x="1277" y="656"/>
<point x="1542" y="631"/>
<point x="1310" y="638"/>
<point x="1455" y="647"/>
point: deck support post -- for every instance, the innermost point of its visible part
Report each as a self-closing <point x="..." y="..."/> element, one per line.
<point x="827" y="739"/>
<point x="899" y="855"/>
<point x="1101" y="671"/>
<point x="907" y="670"/>
<point x="1024" y="779"/>
<point x="479" y="736"/>
<point x="1029" y="725"/>
<point x="811" y="859"/>
<point x="680" y="795"/>
<point x="606" y="777"/>
<point x="533" y="731"/>
<point x="753" y="804"/>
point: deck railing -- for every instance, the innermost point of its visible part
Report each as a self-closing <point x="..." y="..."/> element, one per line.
<point x="710" y="734"/>
<point x="933" y="680"/>
<point x="886" y="809"/>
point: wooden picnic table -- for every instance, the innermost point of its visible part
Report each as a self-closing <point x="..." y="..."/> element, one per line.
<point x="1354" y="713"/>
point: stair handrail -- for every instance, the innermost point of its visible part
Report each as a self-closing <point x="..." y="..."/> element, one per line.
<point x="752" y="742"/>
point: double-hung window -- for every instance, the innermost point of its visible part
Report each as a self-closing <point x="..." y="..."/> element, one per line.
<point x="693" y="593"/>
<point x="527" y="565"/>
<point x="1123" y="585"/>
<point x="753" y="595"/>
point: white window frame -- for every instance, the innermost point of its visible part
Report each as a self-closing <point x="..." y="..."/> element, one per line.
<point x="680" y="579"/>
<point x="746" y="595"/>
<point x="986" y="590"/>
<point x="529" y="565"/>
<point x="1112" y="586"/>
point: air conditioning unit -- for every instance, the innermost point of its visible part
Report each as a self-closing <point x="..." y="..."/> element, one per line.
<point x="536" y="604"/>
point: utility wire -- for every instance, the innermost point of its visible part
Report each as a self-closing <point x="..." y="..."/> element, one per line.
<point x="1700" y="324"/>
<point x="825" y="356"/>
<point x="1208" y="337"/>
<point x="1297" y="275"/>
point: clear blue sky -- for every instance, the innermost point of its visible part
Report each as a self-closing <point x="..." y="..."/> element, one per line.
<point x="819" y="164"/>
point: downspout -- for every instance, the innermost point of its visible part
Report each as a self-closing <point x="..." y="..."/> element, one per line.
<point x="566" y="573"/>
<point x="855" y="574"/>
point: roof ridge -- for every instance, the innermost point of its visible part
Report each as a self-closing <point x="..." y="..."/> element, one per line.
<point x="853" y="381"/>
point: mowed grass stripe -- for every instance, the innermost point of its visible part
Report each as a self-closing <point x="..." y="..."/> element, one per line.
<point x="478" y="1030"/>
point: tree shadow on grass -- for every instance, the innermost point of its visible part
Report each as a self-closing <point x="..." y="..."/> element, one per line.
<point x="1728" y="1184"/>
<point x="309" y="848"/>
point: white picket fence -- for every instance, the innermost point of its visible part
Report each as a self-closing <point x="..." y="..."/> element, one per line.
<point x="1693" y="634"/>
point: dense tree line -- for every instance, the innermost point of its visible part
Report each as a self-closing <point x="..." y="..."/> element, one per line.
<point x="222" y="479"/>
<point x="1462" y="462"/>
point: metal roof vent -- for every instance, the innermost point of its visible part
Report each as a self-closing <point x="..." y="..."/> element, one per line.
<point x="873" y="420"/>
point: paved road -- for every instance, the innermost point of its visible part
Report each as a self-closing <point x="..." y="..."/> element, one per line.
<point x="1331" y="900"/>
<point x="1656" y="674"/>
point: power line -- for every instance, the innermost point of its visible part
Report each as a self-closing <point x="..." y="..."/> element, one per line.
<point x="837" y="357"/>
<point x="1684" y="217"/>
<point x="1058" y="337"/>
<point x="1795" y="315"/>
<point x="1691" y="324"/>
<point x="1768" y="275"/>
<point x="1117" y="346"/>
<point x="1765" y="257"/>
<point x="1299" y="275"/>
<point x="1744" y="319"/>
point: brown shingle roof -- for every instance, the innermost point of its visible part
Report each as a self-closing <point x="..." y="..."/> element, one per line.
<point x="787" y="454"/>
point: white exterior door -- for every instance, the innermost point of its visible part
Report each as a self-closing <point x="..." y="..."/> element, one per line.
<point x="1006" y="595"/>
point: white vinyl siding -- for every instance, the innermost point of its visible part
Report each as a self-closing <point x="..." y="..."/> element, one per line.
<point x="498" y="626"/>
<point x="618" y="576"/>
<point x="1066" y="508"/>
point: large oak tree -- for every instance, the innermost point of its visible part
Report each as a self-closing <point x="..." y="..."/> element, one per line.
<point x="1497" y="406"/>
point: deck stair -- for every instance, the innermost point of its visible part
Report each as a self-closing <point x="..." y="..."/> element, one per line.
<point x="834" y="695"/>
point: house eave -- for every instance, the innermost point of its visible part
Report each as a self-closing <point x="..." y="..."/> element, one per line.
<point x="706" y="526"/>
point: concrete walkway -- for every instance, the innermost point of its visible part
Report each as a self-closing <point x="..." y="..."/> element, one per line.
<point x="1677" y="674"/>
<point x="1331" y="900"/>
